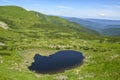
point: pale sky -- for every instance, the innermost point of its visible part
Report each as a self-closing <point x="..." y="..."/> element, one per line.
<point x="102" y="9"/>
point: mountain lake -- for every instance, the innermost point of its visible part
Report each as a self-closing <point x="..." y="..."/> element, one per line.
<point x="58" y="62"/>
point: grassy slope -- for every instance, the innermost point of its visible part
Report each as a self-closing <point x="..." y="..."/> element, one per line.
<point x="33" y="32"/>
<point x="112" y="31"/>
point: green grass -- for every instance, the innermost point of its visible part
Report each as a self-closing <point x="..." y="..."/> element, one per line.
<point x="32" y="33"/>
<point x="98" y="65"/>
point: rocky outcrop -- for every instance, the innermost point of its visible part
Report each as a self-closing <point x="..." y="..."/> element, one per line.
<point x="3" y="25"/>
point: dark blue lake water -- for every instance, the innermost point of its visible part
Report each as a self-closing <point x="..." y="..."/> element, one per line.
<point x="59" y="61"/>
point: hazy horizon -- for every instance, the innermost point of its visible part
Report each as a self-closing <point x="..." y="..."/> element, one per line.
<point x="96" y="9"/>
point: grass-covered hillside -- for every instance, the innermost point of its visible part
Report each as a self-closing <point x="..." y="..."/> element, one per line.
<point x="31" y="27"/>
<point x="24" y="33"/>
<point x="112" y="31"/>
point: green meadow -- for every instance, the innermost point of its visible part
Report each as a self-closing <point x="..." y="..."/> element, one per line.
<point x="30" y="32"/>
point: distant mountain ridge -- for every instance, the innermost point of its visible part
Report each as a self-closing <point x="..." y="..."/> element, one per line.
<point x="100" y="25"/>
